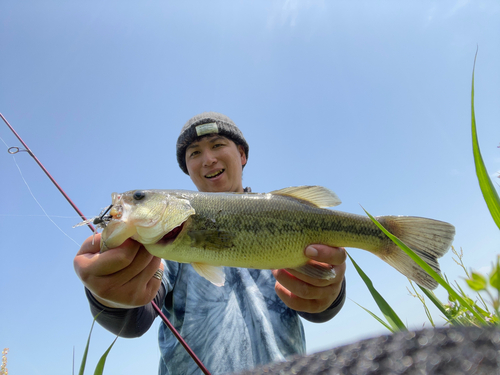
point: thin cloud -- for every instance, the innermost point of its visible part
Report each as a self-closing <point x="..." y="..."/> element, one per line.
<point x="286" y="12"/>
<point x="457" y="7"/>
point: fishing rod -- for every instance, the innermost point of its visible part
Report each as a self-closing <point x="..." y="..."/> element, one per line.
<point x="15" y="150"/>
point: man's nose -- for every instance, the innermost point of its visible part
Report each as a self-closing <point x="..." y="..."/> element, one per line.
<point x="209" y="159"/>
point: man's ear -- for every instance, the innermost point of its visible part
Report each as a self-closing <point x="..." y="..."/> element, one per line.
<point x="243" y="156"/>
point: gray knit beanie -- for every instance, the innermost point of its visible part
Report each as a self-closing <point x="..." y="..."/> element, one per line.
<point x="203" y="124"/>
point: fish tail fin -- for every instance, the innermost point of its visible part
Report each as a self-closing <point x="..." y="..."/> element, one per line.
<point x="429" y="239"/>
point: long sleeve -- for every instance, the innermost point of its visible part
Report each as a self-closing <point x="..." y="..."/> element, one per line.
<point x="330" y="312"/>
<point x="127" y="323"/>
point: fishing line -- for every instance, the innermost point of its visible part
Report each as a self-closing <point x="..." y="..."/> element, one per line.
<point x="36" y="200"/>
<point x="155" y="307"/>
<point x="57" y="216"/>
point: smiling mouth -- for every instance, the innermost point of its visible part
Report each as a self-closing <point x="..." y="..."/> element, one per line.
<point x="215" y="174"/>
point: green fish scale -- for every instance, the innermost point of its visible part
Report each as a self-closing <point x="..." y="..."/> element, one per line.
<point x="266" y="231"/>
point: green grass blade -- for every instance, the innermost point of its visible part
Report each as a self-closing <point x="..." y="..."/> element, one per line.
<point x="390" y="315"/>
<point x="377" y="318"/>
<point x="422" y="299"/>
<point x="489" y="192"/>
<point x="85" y="352"/>
<point x="100" y="365"/>
<point x="427" y="269"/>
<point x="495" y="276"/>
<point x="432" y="297"/>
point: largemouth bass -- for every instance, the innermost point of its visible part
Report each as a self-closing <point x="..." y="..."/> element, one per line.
<point x="265" y="231"/>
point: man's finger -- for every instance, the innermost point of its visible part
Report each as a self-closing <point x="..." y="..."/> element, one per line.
<point x="301" y="288"/>
<point x="157" y="266"/>
<point x="326" y="254"/>
<point x="90" y="261"/>
<point x="297" y="303"/>
<point x="313" y="280"/>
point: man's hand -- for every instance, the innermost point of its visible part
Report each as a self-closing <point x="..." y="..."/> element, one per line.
<point x="304" y="293"/>
<point x="120" y="277"/>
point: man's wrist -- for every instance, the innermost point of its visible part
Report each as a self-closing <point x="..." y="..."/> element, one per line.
<point x="102" y="303"/>
<point x="331" y="311"/>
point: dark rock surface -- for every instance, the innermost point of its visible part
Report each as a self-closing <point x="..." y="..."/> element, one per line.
<point x="446" y="351"/>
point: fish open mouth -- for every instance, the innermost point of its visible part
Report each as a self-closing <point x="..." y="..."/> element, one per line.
<point x="171" y="236"/>
<point x="215" y="174"/>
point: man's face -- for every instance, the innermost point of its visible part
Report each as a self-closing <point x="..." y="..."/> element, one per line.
<point x="215" y="164"/>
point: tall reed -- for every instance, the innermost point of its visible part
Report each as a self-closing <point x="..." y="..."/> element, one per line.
<point x="460" y="309"/>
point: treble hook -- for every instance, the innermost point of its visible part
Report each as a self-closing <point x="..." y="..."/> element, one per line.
<point x="15" y="150"/>
<point x="101" y="219"/>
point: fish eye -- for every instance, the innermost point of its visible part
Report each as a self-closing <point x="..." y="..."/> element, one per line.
<point x="138" y="195"/>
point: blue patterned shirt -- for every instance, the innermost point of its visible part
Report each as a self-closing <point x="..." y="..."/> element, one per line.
<point x="239" y="326"/>
<point x="231" y="328"/>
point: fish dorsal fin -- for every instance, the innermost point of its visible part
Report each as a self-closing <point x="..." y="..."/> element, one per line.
<point x="318" y="196"/>
<point x="213" y="274"/>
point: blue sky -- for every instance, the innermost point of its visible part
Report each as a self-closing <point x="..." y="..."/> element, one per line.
<point x="370" y="99"/>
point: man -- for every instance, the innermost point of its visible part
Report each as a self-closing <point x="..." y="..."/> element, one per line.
<point x="252" y="320"/>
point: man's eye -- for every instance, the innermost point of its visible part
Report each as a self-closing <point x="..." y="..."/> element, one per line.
<point x="194" y="153"/>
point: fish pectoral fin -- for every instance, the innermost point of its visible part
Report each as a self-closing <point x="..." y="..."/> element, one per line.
<point x="211" y="239"/>
<point x="213" y="274"/>
<point x="317" y="271"/>
<point x="318" y="196"/>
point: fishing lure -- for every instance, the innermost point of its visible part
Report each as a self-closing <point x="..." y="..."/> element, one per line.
<point x="100" y="221"/>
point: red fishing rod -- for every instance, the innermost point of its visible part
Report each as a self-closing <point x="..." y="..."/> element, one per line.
<point x="14" y="150"/>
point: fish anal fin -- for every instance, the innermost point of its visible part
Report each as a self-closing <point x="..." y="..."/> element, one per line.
<point x="212" y="273"/>
<point x="317" y="271"/>
<point x="211" y="239"/>
<point x="318" y="196"/>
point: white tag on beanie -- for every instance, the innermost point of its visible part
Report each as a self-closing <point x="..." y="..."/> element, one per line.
<point x="207" y="129"/>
